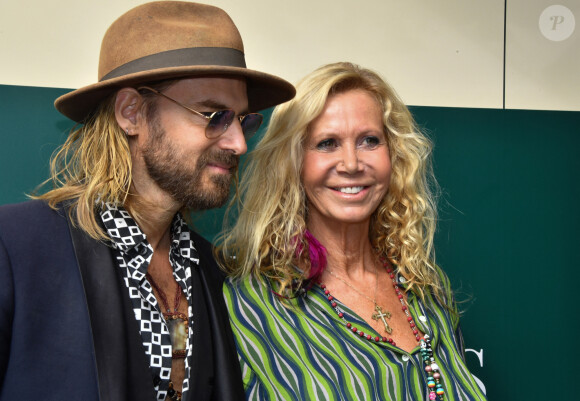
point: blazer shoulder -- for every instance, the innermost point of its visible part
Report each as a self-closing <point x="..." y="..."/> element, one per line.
<point x="32" y="209"/>
<point x="32" y="219"/>
<point x="207" y="261"/>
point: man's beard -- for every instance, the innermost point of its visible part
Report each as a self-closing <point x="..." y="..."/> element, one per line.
<point x="168" y="166"/>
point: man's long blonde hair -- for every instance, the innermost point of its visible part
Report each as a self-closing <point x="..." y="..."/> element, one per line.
<point x="272" y="207"/>
<point x="94" y="166"/>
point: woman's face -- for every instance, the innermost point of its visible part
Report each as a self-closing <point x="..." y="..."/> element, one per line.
<point x="347" y="169"/>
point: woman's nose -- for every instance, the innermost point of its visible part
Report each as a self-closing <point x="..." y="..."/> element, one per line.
<point x="350" y="161"/>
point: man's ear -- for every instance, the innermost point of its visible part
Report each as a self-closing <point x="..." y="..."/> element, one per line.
<point x="128" y="104"/>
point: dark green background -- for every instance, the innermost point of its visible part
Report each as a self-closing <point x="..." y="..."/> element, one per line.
<point x="508" y="232"/>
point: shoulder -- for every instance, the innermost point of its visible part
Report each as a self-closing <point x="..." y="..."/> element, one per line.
<point x="24" y="221"/>
<point x="449" y="304"/>
<point x="202" y="245"/>
<point x="36" y="244"/>
<point x="26" y="210"/>
<point x="250" y="291"/>
<point x="444" y="281"/>
<point x="254" y="310"/>
<point x="249" y="283"/>
<point x="207" y="262"/>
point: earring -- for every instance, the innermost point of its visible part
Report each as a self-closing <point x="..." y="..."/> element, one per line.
<point x="127" y="131"/>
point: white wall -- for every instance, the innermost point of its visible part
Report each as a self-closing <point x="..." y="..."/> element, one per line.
<point x="434" y="52"/>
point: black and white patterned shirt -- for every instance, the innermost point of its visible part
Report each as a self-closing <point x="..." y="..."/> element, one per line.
<point x="133" y="255"/>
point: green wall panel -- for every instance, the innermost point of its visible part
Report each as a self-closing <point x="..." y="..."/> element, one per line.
<point x="508" y="231"/>
<point x="30" y="130"/>
<point x="508" y="237"/>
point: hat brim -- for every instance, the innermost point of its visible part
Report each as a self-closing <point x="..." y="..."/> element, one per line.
<point x="264" y="90"/>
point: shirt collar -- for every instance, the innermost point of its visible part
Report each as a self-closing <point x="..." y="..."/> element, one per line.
<point x="122" y="229"/>
<point x="127" y="237"/>
<point x="181" y="242"/>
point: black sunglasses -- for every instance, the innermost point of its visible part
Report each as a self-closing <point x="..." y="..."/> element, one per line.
<point x="219" y="121"/>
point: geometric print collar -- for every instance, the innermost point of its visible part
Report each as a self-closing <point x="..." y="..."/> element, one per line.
<point x="127" y="237"/>
<point x="133" y="255"/>
<point x="124" y="232"/>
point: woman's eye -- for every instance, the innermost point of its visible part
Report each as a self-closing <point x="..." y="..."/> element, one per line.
<point x="326" y="144"/>
<point x="370" y="142"/>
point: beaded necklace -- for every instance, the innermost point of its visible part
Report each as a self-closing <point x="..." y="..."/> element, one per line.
<point x="434" y="385"/>
<point x="178" y="330"/>
<point x="176" y="321"/>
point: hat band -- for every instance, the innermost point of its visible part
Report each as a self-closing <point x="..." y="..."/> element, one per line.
<point x="223" y="56"/>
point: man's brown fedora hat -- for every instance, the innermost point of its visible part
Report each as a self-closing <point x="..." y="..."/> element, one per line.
<point x="167" y="40"/>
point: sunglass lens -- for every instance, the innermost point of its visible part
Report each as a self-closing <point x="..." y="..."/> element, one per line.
<point x="251" y="123"/>
<point x="219" y="123"/>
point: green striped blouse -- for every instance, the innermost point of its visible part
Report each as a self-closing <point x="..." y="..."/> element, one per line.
<point x="306" y="352"/>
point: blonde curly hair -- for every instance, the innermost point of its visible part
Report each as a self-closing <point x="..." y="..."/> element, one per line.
<point x="268" y="237"/>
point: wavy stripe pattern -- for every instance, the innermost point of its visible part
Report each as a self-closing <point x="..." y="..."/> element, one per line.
<point x="305" y="352"/>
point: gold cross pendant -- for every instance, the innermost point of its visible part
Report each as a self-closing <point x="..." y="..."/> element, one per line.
<point x="382" y="316"/>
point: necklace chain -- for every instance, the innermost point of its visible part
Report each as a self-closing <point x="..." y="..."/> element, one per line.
<point x="373" y="300"/>
<point x="163" y="297"/>
<point x="176" y="321"/>
<point x="434" y="384"/>
<point x="378" y="313"/>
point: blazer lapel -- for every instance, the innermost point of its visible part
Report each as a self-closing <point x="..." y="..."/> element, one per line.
<point x="215" y="335"/>
<point x="122" y="366"/>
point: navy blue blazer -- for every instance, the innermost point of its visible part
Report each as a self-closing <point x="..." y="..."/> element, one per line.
<point x="67" y="329"/>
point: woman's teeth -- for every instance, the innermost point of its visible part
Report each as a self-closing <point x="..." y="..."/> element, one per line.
<point x="350" y="190"/>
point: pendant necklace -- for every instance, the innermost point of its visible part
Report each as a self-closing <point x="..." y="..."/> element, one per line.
<point x="378" y="313"/>
<point x="434" y="383"/>
<point x="176" y="321"/>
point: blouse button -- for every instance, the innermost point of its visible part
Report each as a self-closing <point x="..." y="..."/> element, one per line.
<point x="405" y="358"/>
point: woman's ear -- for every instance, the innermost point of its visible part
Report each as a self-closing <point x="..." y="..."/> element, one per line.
<point x="128" y="104"/>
